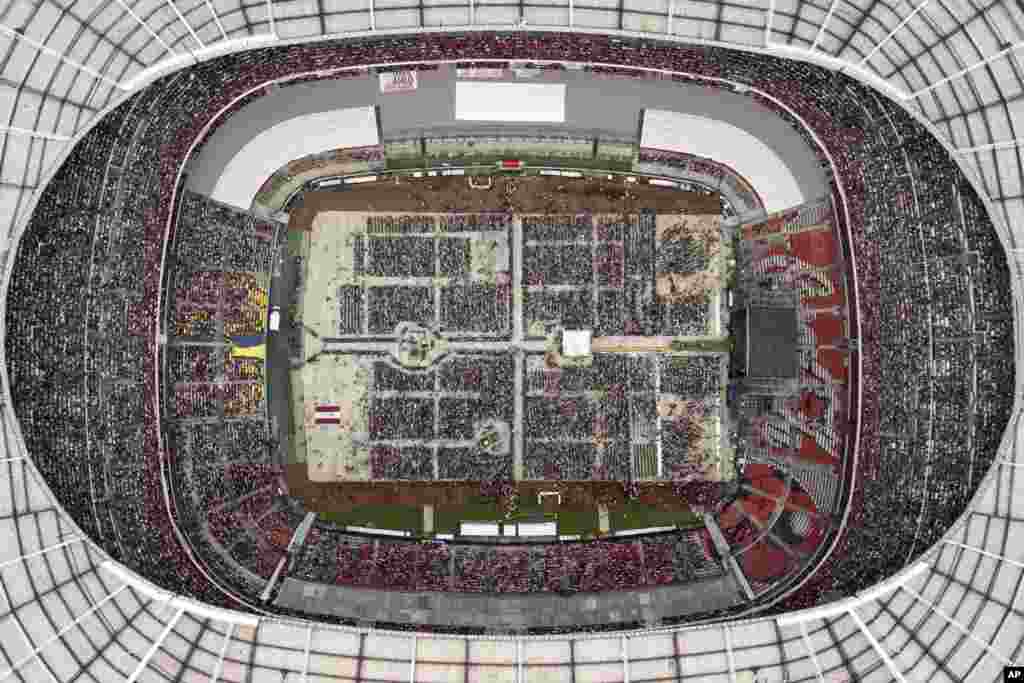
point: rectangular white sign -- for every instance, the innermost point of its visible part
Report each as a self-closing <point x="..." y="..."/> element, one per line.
<point x="398" y="81"/>
<point x="481" y="72"/>
<point x="531" y="102"/>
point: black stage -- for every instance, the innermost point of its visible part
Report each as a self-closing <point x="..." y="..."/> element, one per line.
<point x="766" y="342"/>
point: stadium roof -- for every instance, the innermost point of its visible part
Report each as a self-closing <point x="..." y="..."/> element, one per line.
<point x="68" y="614"/>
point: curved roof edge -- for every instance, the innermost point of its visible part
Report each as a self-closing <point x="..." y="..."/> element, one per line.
<point x="984" y="488"/>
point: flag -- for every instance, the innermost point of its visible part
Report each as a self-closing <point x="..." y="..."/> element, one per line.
<point x="259" y="351"/>
<point x="480" y="72"/>
<point x="247" y="346"/>
<point x="328" y="415"/>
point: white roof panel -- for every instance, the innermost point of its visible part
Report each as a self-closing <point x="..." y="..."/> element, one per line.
<point x="529" y="102"/>
<point x="28" y="80"/>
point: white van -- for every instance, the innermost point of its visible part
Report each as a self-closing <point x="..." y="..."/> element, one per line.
<point x="275" y="318"/>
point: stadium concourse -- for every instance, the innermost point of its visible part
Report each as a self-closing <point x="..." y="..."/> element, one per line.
<point x="99" y="580"/>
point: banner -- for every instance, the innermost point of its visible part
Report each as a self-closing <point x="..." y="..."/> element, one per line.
<point x="398" y="81"/>
<point x="247" y="346"/>
<point x="482" y="72"/>
<point x="259" y="352"/>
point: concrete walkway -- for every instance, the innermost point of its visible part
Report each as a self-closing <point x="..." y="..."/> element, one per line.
<point x="511" y="611"/>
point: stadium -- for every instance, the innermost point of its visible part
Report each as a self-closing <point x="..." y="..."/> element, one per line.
<point x="500" y="341"/>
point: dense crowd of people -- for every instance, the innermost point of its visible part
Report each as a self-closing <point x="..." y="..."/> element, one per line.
<point x="919" y="241"/>
<point x="99" y="248"/>
<point x="477" y="295"/>
<point x="83" y="305"/>
<point x="482" y="308"/>
<point x="470" y="390"/>
<point x="229" y="491"/>
<point x="569" y="567"/>
<point x="567" y="258"/>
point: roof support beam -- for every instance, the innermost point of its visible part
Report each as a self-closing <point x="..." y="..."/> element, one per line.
<point x="216" y="19"/>
<point x="1006" y="144"/>
<point x="187" y="25"/>
<point x="821" y="29"/>
<point x="144" y="25"/>
<point x="731" y="658"/>
<point x="625" y="660"/>
<point x="676" y="657"/>
<point x="810" y="651"/>
<point x="15" y="459"/>
<point x="865" y="12"/>
<point x="994" y="556"/>
<point x="412" y="661"/>
<point x="144" y="662"/>
<point x="373" y="17"/>
<point x="878" y="46"/>
<point x="305" y="655"/>
<point x="360" y="656"/>
<point x="14" y="130"/>
<point x="671" y="12"/>
<point x="897" y="674"/>
<point x="767" y="23"/>
<point x="28" y="641"/>
<point x="963" y="72"/>
<point x="53" y="53"/>
<point x="223" y="651"/>
<point x="32" y="655"/>
<point x="270" y="16"/>
<point x="570" y="13"/>
<point x="963" y="629"/>
<point x="42" y="551"/>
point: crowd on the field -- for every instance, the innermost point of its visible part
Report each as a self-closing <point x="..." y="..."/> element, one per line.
<point x="83" y="318"/>
<point x="476" y="295"/>
<point x="472" y="391"/>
